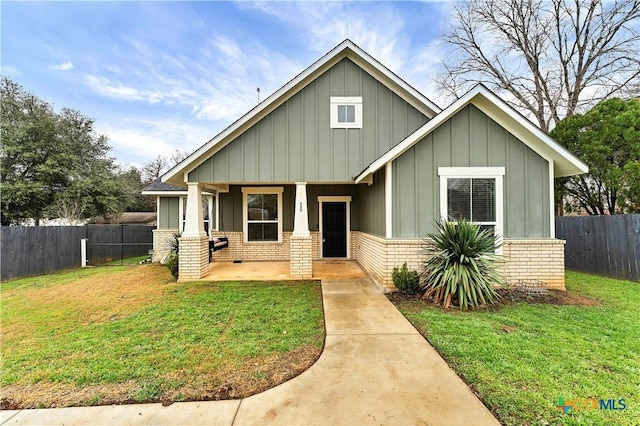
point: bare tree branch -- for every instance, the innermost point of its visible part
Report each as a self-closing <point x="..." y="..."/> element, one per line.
<point x="552" y="58"/>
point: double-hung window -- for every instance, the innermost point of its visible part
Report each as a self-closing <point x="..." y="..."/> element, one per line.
<point x="346" y="112"/>
<point x="473" y="193"/>
<point x="262" y="213"/>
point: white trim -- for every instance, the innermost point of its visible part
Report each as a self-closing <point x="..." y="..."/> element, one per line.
<point x="181" y="218"/>
<point x="471" y="171"/>
<point x="216" y="208"/>
<point x="278" y="190"/>
<point x="346" y="49"/>
<point x="496" y="173"/>
<point x="301" y="212"/>
<point x="181" y="213"/>
<point x="194" y="220"/>
<point x="552" y="201"/>
<point x="335" y="199"/>
<point x="158" y="212"/>
<point x="388" y="200"/>
<point x="504" y="115"/>
<point x="337" y="101"/>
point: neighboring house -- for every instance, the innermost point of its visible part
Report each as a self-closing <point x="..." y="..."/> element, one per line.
<point x="128" y="218"/>
<point x="348" y="161"/>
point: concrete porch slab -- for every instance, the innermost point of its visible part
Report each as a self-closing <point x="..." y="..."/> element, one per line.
<point x="278" y="271"/>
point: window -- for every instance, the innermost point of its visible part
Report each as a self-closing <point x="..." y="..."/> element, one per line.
<point x="472" y="193"/>
<point x="207" y="212"/>
<point x="262" y="207"/>
<point x="346" y="112"/>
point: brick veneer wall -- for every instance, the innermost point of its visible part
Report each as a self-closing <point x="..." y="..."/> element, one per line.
<point x="378" y="256"/>
<point x="194" y="258"/>
<point x="524" y="260"/>
<point x="535" y="260"/>
<point x="161" y="239"/>
<point x="239" y="250"/>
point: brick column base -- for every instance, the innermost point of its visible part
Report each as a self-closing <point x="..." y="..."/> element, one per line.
<point x="301" y="250"/>
<point x="193" y="262"/>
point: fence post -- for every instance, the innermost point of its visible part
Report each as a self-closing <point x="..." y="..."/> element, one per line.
<point x="83" y="251"/>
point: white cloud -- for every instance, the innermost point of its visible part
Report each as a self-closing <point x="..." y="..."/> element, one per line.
<point x="379" y="30"/>
<point x="139" y="140"/>
<point x="65" y="66"/>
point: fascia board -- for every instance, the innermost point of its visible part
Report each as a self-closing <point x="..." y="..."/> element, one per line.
<point x="566" y="164"/>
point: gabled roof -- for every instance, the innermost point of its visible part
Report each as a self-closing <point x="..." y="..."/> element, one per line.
<point x="346" y="49"/>
<point x="157" y="187"/>
<point x="565" y="163"/>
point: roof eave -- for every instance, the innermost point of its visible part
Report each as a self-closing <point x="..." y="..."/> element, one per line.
<point x="565" y="163"/>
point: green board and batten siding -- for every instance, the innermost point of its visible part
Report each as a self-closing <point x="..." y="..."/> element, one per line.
<point x="471" y="138"/>
<point x="295" y="141"/>
<point x="169" y="213"/>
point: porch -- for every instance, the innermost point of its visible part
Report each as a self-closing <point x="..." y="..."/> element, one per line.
<point x="266" y="270"/>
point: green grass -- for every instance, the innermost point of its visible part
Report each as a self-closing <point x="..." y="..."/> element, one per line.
<point x="126" y="261"/>
<point x="573" y="351"/>
<point x="121" y="324"/>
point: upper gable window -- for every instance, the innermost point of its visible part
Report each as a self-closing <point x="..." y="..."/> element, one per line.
<point x="346" y="112"/>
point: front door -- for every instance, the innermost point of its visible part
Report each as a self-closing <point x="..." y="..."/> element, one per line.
<point x="334" y="229"/>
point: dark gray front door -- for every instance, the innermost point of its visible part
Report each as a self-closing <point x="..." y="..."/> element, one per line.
<point x="334" y="229"/>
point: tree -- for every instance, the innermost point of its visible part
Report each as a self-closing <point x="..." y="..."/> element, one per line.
<point x="607" y="138"/>
<point x="552" y="57"/>
<point x="155" y="168"/>
<point x="53" y="161"/>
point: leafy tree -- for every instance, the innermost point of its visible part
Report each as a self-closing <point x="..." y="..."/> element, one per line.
<point x="607" y="138"/>
<point x="552" y="58"/>
<point x="53" y="162"/>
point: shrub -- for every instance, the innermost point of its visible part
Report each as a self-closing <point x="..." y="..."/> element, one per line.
<point x="461" y="269"/>
<point x="172" y="263"/>
<point x="172" y="258"/>
<point x="405" y="279"/>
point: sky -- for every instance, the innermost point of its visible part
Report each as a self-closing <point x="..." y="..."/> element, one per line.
<point x="161" y="76"/>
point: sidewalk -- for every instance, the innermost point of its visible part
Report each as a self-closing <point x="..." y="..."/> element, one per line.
<point x="375" y="369"/>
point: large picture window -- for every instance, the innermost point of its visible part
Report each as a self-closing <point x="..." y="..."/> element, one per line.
<point x="472" y="193"/>
<point x="262" y="213"/>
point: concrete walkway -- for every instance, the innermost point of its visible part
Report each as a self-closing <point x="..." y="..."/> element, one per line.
<point x="375" y="369"/>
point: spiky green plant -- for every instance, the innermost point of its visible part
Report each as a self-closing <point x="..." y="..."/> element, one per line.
<point x="461" y="268"/>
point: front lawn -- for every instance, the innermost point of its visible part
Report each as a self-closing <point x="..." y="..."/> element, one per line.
<point x="132" y="334"/>
<point x="521" y="357"/>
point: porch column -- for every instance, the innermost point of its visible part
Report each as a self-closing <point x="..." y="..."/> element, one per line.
<point x="300" y="257"/>
<point x="193" y="262"/>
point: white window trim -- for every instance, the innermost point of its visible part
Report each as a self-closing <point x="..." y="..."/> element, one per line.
<point x="278" y="190"/>
<point x="496" y="173"/>
<point x="181" y="212"/>
<point x="335" y="199"/>
<point x="345" y="100"/>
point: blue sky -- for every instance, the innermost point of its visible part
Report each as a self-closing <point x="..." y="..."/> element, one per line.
<point x="157" y="76"/>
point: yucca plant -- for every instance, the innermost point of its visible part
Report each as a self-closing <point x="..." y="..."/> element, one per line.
<point x="461" y="269"/>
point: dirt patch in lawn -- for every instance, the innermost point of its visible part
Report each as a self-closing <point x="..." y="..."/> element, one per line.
<point x="509" y="296"/>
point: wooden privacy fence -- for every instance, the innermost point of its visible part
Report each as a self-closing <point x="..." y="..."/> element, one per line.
<point x="30" y="251"/>
<point x="604" y="245"/>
